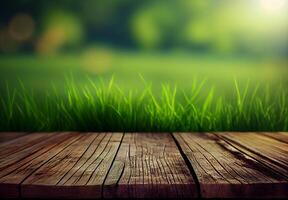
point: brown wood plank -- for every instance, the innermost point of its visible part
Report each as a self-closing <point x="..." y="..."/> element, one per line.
<point x="224" y="171"/>
<point x="16" y="156"/>
<point x="78" y="171"/>
<point x="280" y="136"/>
<point x="149" y="165"/>
<point x="19" y="144"/>
<point x="273" y="153"/>
<point x="7" y="136"/>
<point x="13" y="175"/>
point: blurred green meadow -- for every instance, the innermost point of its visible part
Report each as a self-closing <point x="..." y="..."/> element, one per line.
<point x="176" y="68"/>
<point x="165" y="65"/>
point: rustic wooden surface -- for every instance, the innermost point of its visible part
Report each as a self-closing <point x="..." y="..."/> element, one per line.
<point x="7" y="136"/>
<point x="78" y="171"/>
<point x="223" y="170"/>
<point x="137" y="165"/>
<point x="267" y="150"/>
<point x="149" y="165"/>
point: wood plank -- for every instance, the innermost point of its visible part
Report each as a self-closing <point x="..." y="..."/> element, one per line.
<point x="280" y="136"/>
<point x="224" y="171"/>
<point x="76" y="172"/>
<point x="149" y="165"/>
<point x="13" y="175"/>
<point x="273" y="153"/>
<point x="9" y="158"/>
<point x="7" y="136"/>
<point x="10" y="147"/>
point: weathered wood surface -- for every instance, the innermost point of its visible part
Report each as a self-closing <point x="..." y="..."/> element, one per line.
<point x="22" y="144"/>
<point x="149" y="166"/>
<point x="131" y="165"/>
<point x="281" y="136"/>
<point x="76" y="172"/>
<point x="17" y="166"/>
<point x="269" y="151"/>
<point x="224" y="170"/>
<point x="7" y="136"/>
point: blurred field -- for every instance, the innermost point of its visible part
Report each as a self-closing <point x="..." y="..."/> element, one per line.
<point x="176" y="68"/>
<point x="110" y="90"/>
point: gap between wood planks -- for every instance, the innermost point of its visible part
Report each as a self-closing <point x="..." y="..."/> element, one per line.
<point x="263" y="160"/>
<point x="162" y="169"/>
<point x="276" y="166"/>
<point x="65" y="147"/>
<point x="189" y="165"/>
<point x="102" y="187"/>
<point x="222" y="167"/>
<point x="192" y="173"/>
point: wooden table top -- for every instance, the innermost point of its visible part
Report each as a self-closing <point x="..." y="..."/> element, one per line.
<point x="143" y="165"/>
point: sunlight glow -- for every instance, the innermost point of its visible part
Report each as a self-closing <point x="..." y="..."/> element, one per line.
<point x="273" y="6"/>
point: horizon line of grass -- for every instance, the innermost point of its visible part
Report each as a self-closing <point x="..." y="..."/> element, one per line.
<point x="105" y="107"/>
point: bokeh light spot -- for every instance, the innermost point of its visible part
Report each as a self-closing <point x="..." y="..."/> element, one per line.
<point x="51" y="41"/>
<point x="21" y="27"/>
<point x="97" y="60"/>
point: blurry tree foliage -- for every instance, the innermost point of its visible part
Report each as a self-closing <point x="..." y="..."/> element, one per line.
<point x="203" y="25"/>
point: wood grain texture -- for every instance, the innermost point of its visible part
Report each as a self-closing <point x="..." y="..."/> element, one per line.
<point x="12" y="176"/>
<point x="224" y="171"/>
<point x="78" y="171"/>
<point x="7" y="136"/>
<point x="269" y="151"/>
<point x="149" y="165"/>
<point x="280" y="136"/>
<point x="144" y="165"/>
<point x="21" y="144"/>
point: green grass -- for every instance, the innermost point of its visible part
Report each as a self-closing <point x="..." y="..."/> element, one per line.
<point x="207" y="97"/>
<point x="105" y="106"/>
